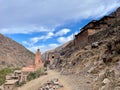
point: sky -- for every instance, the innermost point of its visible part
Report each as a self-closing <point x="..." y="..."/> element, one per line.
<point x="46" y="24"/>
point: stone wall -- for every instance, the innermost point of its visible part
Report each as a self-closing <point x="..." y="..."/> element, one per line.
<point x="97" y="36"/>
<point x="109" y="32"/>
<point x="81" y="39"/>
<point x="86" y="35"/>
<point x="92" y="31"/>
<point x="54" y="55"/>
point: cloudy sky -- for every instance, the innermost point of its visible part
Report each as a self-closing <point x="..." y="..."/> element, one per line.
<point x="46" y="24"/>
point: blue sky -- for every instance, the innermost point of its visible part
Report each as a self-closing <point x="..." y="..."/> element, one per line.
<point x="46" y="24"/>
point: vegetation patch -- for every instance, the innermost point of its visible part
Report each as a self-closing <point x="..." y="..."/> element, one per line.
<point x="4" y="72"/>
<point x="36" y="74"/>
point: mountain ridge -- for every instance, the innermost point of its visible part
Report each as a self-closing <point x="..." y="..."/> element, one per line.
<point x="13" y="54"/>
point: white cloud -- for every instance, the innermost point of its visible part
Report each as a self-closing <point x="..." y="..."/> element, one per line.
<point x="34" y="40"/>
<point x="63" y="40"/>
<point x="48" y="36"/>
<point x="43" y="48"/>
<point x="24" y="30"/>
<point x="62" y="32"/>
<point x="27" y="16"/>
<point x="44" y="37"/>
<point x="26" y="43"/>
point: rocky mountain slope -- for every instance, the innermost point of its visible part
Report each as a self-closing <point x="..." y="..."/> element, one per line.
<point x="13" y="54"/>
<point x="101" y="62"/>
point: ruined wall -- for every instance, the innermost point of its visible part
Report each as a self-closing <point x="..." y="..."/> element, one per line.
<point x="81" y="39"/>
<point x="96" y="37"/>
<point x="92" y="31"/>
<point x="54" y="55"/>
<point x="103" y="26"/>
<point x="109" y="32"/>
<point x="10" y="87"/>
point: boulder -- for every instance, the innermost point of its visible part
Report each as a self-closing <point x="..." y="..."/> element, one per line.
<point x="95" y="45"/>
<point x="101" y="75"/>
<point x="106" y="81"/>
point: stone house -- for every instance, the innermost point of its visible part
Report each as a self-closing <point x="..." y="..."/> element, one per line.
<point x="10" y="85"/>
<point x="82" y="38"/>
<point x="50" y="58"/>
<point x="12" y="80"/>
<point x="53" y="55"/>
<point x="21" y="75"/>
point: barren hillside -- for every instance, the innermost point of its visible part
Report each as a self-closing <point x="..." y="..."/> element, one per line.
<point x="13" y="54"/>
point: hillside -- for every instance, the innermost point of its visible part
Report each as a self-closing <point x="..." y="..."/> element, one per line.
<point x="13" y="54"/>
<point x="99" y="59"/>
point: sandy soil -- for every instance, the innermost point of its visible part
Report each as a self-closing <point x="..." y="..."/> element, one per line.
<point x="69" y="82"/>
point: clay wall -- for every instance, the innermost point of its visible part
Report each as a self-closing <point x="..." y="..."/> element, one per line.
<point x="54" y="55"/>
<point x="81" y="39"/>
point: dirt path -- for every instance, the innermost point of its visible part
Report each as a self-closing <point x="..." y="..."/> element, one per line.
<point x="66" y="81"/>
<point x="35" y="84"/>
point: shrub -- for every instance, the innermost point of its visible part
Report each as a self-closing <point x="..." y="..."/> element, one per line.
<point x="31" y="76"/>
<point x="4" y="72"/>
<point x="36" y="74"/>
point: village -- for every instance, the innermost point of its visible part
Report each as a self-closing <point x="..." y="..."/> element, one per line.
<point x="51" y="59"/>
<point x="13" y="80"/>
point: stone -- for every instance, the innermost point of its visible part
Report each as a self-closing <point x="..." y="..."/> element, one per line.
<point x="117" y="88"/>
<point x="101" y="75"/>
<point x="51" y="85"/>
<point x="93" y="70"/>
<point x="102" y="88"/>
<point x="90" y="70"/>
<point x="106" y="81"/>
<point x="95" y="45"/>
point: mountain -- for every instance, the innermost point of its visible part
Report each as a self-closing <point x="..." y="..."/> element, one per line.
<point x="12" y="54"/>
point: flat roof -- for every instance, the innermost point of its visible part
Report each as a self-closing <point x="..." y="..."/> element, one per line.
<point x="11" y="81"/>
<point x="19" y="71"/>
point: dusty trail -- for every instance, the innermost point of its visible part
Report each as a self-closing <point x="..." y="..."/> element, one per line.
<point x="66" y="81"/>
<point x="35" y="84"/>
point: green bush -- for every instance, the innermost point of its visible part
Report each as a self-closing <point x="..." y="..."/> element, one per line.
<point x="4" y="72"/>
<point x="36" y="74"/>
<point x="31" y="76"/>
<point x="40" y="71"/>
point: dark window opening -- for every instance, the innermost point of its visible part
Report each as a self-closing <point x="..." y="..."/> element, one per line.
<point x="52" y="57"/>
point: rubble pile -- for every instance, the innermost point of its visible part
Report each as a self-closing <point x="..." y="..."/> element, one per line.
<point x="53" y="84"/>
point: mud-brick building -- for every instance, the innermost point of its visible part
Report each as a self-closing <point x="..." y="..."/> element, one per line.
<point x="10" y="85"/>
<point x="82" y="38"/>
<point x="52" y="56"/>
<point x="32" y="68"/>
